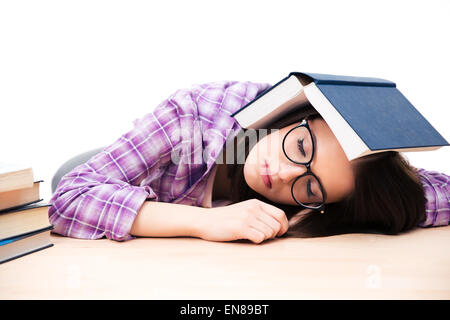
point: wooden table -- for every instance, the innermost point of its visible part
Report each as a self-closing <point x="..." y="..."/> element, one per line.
<point x="414" y="265"/>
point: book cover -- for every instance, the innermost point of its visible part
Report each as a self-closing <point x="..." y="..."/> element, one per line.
<point x="25" y="244"/>
<point x="20" y="221"/>
<point x="366" y="115"/>
<point x="15" y="176"/>
<point x="378" y="112"/>
<point x="14" y="199"/>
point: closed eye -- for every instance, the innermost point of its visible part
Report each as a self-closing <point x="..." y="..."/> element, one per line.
<point x="309" y="190"/>
<point x="300" y="147"/>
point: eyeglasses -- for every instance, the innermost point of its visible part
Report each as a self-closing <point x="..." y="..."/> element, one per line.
<point x="298" y="146"/>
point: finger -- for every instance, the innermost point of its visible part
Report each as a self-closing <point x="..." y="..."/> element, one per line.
<point x="284" y="226"/>
<point x="254" y="235"/>
<point x="278" y="214"/>
<point x="271" y="222"/>
<point x="262" y="227"/>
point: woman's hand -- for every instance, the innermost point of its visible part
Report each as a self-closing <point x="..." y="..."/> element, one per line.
<point x="252" y="219"/>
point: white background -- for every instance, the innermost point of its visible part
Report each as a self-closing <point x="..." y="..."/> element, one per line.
<point x="75" y="74"/>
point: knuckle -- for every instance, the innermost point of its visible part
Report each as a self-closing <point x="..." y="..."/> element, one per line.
<point x="258" y="204"/>
<point x="279" y="214"/>
<point x="252" y="209"/>
<point x="259" y="239"/>
<point x="255" y="236"/>
<point x="248" y="216"/>
<point x="277" y="225"/>
<point x="282" y="219"/>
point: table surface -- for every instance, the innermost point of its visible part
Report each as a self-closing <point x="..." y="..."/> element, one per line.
<point x="415" y="265"/>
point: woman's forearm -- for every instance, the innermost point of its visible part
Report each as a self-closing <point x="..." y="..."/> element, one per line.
<point x="160" y="219"/>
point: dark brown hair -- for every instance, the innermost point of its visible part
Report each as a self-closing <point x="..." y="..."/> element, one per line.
<point x="388" y="196"/>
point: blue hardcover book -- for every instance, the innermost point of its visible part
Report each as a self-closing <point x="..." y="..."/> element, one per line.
<point x="366" y="115"/>
<point x="19" y="246"/>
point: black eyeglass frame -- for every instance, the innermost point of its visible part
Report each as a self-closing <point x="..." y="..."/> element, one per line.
<point x="308" y="172"/>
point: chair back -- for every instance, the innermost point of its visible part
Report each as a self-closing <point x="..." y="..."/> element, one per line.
<point x="70" y="164"/>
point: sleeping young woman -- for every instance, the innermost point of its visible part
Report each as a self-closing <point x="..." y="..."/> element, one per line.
<point x="188" y="169"/>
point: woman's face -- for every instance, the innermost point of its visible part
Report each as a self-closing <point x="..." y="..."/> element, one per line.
<point x="330" y="164"/>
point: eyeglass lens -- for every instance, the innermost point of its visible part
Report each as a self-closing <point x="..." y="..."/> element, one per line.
<point x="306" y="190"/>
<point x="298" y="146"/>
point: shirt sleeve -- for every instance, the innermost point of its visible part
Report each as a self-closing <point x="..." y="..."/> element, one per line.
<point x="103" y="196"/>
<point x="436" y="186"/>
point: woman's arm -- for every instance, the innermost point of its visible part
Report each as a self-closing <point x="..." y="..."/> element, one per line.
<point x="102" y="196"/>
<point x="251" y="219"/>
<point x="160" y="219"/>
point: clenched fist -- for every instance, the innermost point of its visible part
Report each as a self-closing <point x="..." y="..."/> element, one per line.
<point x="252" y="219"/>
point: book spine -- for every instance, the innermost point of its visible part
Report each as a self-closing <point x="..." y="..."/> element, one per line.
<point x="328" y="79"/>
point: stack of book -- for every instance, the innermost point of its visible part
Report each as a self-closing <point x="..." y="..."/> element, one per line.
<point x="24" y="224"/>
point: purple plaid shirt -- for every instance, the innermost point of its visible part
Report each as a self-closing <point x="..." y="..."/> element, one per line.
<point x="437" y="191"/>
<point x="102" y="196"/>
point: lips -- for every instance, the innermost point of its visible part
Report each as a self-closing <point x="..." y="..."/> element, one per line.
<point x="265" y="175"/>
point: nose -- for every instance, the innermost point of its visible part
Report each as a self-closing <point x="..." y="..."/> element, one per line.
<point x="288" y="171"/>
